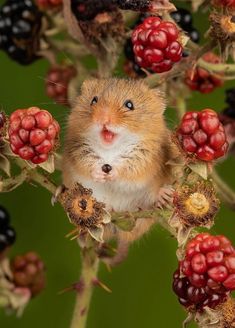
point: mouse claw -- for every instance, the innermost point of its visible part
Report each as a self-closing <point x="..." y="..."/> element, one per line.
<point x="57" y="193"/>
<point x="165" y="197"/>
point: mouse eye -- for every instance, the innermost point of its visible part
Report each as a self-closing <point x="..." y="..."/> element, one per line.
<point x="94" y="100"/>
<point x="129" y="104"/>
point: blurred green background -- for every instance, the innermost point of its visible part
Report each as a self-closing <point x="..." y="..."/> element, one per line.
<point x="142" y="295"/>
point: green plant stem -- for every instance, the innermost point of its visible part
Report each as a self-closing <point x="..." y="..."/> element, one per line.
<point x="90" y="266"/>
<point x="217" y="68"/>
<point x="180" y="106"/>
<point x="43" y="181"/>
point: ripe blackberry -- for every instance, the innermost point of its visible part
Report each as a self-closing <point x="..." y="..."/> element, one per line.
<point x="7" y="233"/>
<point x="33" y="134"/>
<point x="202" y="135"/>
<point x="185" y="20"/>
<point x="201" y="79"/>
<point x="137" y="5"/>
<point x="28" y="271"/>
<point x="206" y="275"/>
<point x="88" y="9"/>
<point x="20" y="24"/>
<point x="196" y="298"/>
<point x="156" y="45"/>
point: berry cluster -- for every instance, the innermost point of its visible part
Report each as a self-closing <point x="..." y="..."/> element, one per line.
<point x="207" y="274"/>
<point x="33" y="134"/>
<point x="201" y="134"/>
<point x="201" y="79"/>
<point x="57" y="82"/>
<point x="184" y="19"/>
<point x="20" y="24"/>
<point x="156" y="45"/>
<point x="89" y="9"/>
<point x="28" y="271"/>
<point x="7" y="233"/>
<point x="49" y="4"/>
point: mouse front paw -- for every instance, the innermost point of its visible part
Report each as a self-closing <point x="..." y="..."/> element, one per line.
<point x="165" y="196"/>
<point x="98" y="175"/>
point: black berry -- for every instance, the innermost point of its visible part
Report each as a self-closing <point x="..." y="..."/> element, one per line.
<point x="10" y="235"/>
<point x="3" y="242"/>
<point x="4" y="218"/>
<point x="137" y="5"/>
<point x="194" y="35"/>
<point x="20" y="24"/>
<point x="183" y="18"/>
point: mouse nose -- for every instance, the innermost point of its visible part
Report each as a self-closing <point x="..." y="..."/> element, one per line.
<point x="102" y="117"/>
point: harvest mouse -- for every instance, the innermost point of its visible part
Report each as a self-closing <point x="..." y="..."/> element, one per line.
<point x="118" y="144"/>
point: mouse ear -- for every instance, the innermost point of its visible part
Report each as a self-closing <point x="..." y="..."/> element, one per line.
<point x="160" y="94"/>
<point x="89" y="86"/>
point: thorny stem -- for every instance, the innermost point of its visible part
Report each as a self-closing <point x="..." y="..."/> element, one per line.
<point x="90" y="266"/>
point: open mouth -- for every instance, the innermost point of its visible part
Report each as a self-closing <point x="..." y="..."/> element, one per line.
<point x="107" y="135"/>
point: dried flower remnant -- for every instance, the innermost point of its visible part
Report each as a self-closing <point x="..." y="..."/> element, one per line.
<point x="84" y="211"/>
<point x="196" y="205"/>
<point x="223" y="31"/>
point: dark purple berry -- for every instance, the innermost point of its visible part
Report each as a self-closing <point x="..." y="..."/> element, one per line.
<point x="10" y="235"/>
<point x="106" y="168"/>
<point x="4" y="218"/>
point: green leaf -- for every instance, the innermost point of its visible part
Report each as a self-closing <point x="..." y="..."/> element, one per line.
<point x="199" y="168"/>
<point x="5" y="165"/>
<point x="97" y="233"/>
<point x="49" y="165"/>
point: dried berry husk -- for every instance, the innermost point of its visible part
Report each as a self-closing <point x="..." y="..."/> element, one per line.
<point x="227" y="311"/>
<point x="104" y="25"/>
<point x="197" y="205"/>
<point x="83" y="210"/>
<point x="223" y="30"/>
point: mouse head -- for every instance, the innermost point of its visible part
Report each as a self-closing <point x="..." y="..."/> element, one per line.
<point x="112" y="109"/>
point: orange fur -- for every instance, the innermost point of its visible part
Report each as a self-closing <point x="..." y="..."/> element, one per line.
<point x="146" y="164"/>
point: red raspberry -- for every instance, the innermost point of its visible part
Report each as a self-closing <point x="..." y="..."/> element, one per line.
<point x="57" y="81"/>
<point x="207" y="273"/>
<point x="49" y="4"/>
<point x="201" y="79"/>
<point x="156" y="44"/>
<point x="28" y="271"/>
<point x="202" y="135"/>
<point x="33" y="133"/>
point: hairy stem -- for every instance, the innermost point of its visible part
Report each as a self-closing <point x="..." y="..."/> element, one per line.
<point x="90" y="266"/>
<point x="180" y="106"/>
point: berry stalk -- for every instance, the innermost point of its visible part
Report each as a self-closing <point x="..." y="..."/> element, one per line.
<point x="90" y="266"/>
